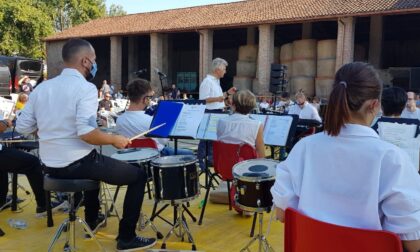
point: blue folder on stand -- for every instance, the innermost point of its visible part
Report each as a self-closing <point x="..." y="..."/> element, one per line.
<point x="167" y="112"/>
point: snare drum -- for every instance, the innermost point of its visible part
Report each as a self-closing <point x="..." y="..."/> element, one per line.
<point x="253" y="180"/>
<point x="136" y="155"/>
<point x="175" y="178"/>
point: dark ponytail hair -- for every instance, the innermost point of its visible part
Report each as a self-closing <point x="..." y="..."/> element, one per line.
<point x="354" y="84"/>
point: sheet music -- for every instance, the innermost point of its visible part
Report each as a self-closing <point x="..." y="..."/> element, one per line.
<point x="396" y="133"/>
<point x="203" y="125"/>
<point x="6" y="107"/>
<point x="189" y="120"/>
<point x="402" y="135"/>
<point x="277" y="129"/>
<point x="261" y="118"/>
<point x="211" y="130"/>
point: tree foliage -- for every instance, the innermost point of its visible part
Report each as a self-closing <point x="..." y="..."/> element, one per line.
<point x="116" y="10"/>
<point x="24" y="23"/>
<point x="22" y="26"/>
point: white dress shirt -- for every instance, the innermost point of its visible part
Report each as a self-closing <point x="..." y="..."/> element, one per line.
<point x="61" y="109"/>
<point x="132" y="123"/>
<point x="238" y="129"/>
<point x="408" y="114"/>
<point x="307" y="112"/>
<point x="209" y="88"/>
<point x="354" y="180"/>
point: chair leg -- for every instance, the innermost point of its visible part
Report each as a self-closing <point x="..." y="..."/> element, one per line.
<point x="230" y="203"/>
<point x="115" y="198"/>
<point x="149" y="192"/>
<point x="200" y="221"/>
<point x="50" y="221"/>
<point x="14" y="191"/>
<point x="253" y="225"/>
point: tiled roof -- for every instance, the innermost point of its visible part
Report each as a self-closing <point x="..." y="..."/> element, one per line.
<point x="237" y="14"/>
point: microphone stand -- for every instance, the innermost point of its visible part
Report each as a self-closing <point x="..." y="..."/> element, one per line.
<point x="161" y="78"/>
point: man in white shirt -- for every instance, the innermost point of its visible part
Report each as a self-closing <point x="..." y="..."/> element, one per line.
<point x="304" y="109"/>
<point x="135" y="120"/>
<point x="63" y="113"/>
<point x="411" y="111"/>
<point x="211" y="92"/>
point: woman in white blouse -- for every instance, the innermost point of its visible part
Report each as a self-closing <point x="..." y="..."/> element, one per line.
<point x="239" y="128"/>
<point x="346" y="175"/>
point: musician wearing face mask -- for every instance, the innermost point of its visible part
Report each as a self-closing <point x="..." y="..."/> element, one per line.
<point x="63" y="112"/>
<point x="304" y="109"/>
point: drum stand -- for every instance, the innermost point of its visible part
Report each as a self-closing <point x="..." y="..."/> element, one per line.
<point x="263" y="244"/>
<point x="144" y="221"/>
<point x="106" y="197"/>
<point x="182" y="225"/>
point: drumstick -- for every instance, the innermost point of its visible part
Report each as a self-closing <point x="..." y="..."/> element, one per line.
<point x="147" y="131"/>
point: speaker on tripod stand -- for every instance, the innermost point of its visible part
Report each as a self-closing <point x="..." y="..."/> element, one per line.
<point x="278" y="81"/>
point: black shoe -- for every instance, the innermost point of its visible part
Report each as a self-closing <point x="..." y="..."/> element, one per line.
<point x="135" y="244"/>
<point x="100" y="222"/>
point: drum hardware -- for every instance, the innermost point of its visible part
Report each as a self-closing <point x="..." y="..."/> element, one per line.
<point x="257" y="198"/>
<point x="172" y="189"/>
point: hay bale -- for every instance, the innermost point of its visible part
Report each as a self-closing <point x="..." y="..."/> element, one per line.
<point x="327" y="49"/>
<point x="246" y="68"/>
<point x="286" y="53"/>
<point x="304" y="67"/>
<point x="241" y="82"/>
<point x="323" y="87"/>
<point x="306" y="84"/>
<point x="325" y="68"/>
<point x="248" y="53"/>
<point x="304" y="49"/>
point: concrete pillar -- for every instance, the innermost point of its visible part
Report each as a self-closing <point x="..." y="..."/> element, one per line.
<point x="133" y="57"/>
<point x="306" y="30"/>
<point x="251" y="34"/>
<point x="345" y="41"/>
<point x="265" y="58"/>
<point x="116" y="61"/>
<point x="206" y="53"/>
<point x="156" y="60"/>
<point x="375" y="41"/>
<point x="55" y="62"/>
<point x="166" y="62"/>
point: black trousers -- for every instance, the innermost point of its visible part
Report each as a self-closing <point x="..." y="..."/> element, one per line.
<point x="12" y="160"/>
<point x="98" y="167"/>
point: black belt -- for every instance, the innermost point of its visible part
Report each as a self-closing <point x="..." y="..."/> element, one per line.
<point x="52" y="170"/>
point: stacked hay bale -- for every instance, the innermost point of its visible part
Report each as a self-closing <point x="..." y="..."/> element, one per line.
<point x="325" y="71"/>
<point x="246" y="67"/>
<point x="286" y="58"/>
<point x="304" y="66"/>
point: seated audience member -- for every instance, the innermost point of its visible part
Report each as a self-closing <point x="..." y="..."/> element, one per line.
<point x="316" y="103"/>
<point x="393" y="101"/>
<point x="135" y="120"/>
<point x="239" y="128"/>
<point x="21" y="101"/>
<point x="106" y="103"/>
<point x="349" y="176"/>
<point x="264" y="105"/>
<point x="411" y="111"/>
<point x="304" y="109"/>
<point x="13" y="160"/>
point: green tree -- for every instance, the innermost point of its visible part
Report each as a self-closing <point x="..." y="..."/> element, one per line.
<point x="22" y="27"/>
<point x="68" y="13"/>
<point x="116" y="10"/>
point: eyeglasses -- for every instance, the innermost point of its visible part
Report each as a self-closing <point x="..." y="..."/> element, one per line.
<point x="150" y="97"/>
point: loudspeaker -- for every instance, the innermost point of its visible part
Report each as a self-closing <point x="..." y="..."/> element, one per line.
<point x="278" y="81"/>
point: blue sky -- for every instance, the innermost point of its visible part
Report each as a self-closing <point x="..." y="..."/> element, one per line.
<point x="136" y="6"/>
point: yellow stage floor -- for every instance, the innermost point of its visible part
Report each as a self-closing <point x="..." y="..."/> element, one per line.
<point x="222" y="230"/>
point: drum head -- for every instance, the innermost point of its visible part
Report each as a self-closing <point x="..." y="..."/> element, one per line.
<point x="136" y="154"/>
<point x="256" y="169"/>
<point x="173" y="161"/>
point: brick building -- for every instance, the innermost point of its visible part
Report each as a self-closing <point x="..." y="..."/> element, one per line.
<point x="385" y="33"/>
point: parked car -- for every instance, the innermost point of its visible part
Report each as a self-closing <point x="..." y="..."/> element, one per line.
<point x="20" y="67"/>
<point x="5" y="80"/>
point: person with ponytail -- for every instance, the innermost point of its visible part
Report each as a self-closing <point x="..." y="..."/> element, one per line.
<point x="346" y="175"/>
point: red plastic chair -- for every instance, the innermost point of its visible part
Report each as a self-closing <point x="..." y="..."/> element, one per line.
<point x="303" y="234"/>
<point x="143" y="143"/>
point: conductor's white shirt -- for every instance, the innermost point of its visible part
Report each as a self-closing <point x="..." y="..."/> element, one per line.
<point x="209" y="88"/>
<point x="354" y="180"/>
<point x="307" y="112"/>
<point x="61" y="109"/>
<point x="238" y="129"/>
